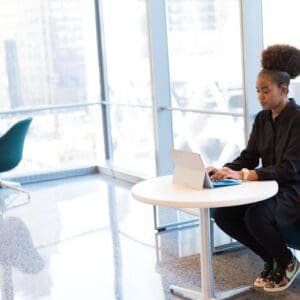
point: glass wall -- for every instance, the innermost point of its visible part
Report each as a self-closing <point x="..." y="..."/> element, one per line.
<point x="59" y="139"/>
<point x="206" y="77"/>
<point x="129" y="82"/>
<point x="284" y="31"/>
<point x="48" y="58"/>
<point x="218" y="138"/>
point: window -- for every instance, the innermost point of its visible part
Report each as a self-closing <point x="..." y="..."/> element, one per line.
<point x="48" y="57"/>
<point x="206" y="76"/>
<point x="283" y="32"/>
<point x="129" y="83"/>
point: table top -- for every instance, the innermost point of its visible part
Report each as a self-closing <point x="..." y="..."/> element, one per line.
<point x="161" y="191"/>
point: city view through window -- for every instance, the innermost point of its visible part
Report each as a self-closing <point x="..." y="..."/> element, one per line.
<point x="283" y="32"/>
<point x="48" y="59"/>
<point x="206" y="74"/>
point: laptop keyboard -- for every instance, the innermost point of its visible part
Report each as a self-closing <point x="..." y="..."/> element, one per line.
<point x="225" y="182"/>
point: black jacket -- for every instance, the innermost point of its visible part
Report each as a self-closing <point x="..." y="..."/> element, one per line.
<point x="273" y="150"/>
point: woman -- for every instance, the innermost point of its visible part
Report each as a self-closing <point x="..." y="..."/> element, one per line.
<point x="272" y="153"/>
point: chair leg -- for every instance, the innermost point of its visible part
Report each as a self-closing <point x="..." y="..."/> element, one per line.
<point x="172" y="226"/>
<point x="14" y="186"/>
<point x="212" y="238"/>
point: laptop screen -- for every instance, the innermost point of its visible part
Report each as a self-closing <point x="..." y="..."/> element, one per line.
<point x="190" y="170"/>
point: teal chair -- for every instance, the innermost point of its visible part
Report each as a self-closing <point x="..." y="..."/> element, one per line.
<point x="11" y="151"/>
<point x="292" y="235"/>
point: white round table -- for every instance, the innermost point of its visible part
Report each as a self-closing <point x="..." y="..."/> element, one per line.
<point x="161" y="191"/>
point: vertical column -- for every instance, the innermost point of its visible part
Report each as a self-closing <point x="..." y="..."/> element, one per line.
<point x="252" y="44"/>
<point x="160" y="85"/>
<point x="103" y="80"/>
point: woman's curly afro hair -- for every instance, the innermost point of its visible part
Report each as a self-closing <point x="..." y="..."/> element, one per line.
<point x="282" y="57"/>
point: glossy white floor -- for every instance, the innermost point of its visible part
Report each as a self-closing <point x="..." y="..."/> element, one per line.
<point x="86" y="238"/>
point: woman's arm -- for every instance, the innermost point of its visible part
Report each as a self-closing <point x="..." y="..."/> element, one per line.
<point x="226" y="172"/>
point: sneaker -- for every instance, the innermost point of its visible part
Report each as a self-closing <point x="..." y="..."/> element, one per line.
<point x="260" y="281"/>
<point x="280" y="279"/>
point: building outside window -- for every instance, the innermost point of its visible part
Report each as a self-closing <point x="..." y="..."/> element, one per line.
<point x="283" y="32"/>
<point x="48" y="58"/>
<point x="206" y="76"/>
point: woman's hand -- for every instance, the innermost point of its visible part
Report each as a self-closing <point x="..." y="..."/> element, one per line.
<point x="211" y="171"/>
<point x="223" y="173"/>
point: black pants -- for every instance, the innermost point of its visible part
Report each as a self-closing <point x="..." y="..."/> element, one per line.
<point x="254" y="226"/>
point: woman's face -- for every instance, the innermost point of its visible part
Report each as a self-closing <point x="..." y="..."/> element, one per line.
<point x="269" y="94"/>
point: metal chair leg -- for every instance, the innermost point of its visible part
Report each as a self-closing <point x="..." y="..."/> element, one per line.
<point x="15" y="186"/>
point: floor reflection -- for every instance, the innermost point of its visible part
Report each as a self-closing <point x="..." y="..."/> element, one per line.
<point x="87" y="238"/>
<point x="117" y="253"/>
<point x="17" y="250"/>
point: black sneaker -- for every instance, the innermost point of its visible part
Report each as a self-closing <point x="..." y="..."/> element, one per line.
<point x="260" y="281"/>
<point x="280" y="279"/>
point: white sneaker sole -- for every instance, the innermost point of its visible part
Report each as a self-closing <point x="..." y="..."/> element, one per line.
<point x="282" y="288"/>
<point x="259" y="284"/>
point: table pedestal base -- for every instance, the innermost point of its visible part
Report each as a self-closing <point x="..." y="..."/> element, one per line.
<point x="188" y="294"/>
<point x="193" y="295"/>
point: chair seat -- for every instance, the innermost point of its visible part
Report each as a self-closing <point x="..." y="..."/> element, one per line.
<point x="292" y="235"/>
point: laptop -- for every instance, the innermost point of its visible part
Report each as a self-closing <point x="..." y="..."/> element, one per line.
<point x="189" y="170"/>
